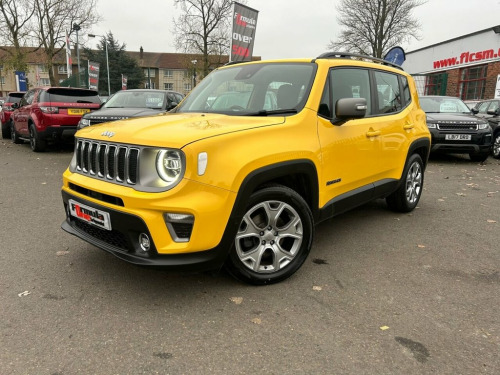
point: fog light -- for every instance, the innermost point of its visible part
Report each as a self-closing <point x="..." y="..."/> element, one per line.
<point x="179" y="226"/>
<point x="144" y="241"/>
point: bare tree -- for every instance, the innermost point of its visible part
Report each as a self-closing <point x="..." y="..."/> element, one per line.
<point x="203" y="28"/>
<point x="15" y="29"/>
<point x="54" y="17"/>
<point x="372" y="27"/>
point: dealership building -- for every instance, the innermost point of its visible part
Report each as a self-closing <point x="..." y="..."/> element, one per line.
<point x="467" y="67"/>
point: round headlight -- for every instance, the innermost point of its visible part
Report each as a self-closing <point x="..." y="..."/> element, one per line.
<point x="169" y="165"/>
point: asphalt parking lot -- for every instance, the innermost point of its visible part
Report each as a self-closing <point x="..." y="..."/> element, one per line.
<point x="381" y="293"/>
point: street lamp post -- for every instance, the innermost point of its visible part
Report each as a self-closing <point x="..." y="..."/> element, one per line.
<point x="107" y="58"/>
<point x="76" y="27"/>
<point x="194" y="72"/>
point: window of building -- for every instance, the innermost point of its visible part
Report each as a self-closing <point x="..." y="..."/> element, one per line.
<point x="168" y="86"/>
<point x="42" y="68"/>
<point x="148" y="72"/>
<point x="435" y="84"/>
<point x="147" y="86"/>
<point x="187" y="87"/>
<point x="472" y="82"/>
<point x="168" y="73"/>
<point x="44" y="82"/>
<point x="62" y="69"/>
<point x="2" y="80"/>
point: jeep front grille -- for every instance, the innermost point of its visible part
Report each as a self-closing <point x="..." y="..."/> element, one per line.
<point x="117" y="163"/>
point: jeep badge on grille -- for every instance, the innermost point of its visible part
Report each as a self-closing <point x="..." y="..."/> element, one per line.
<point x="108" y="134"/>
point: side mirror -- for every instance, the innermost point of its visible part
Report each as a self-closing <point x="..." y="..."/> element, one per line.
<point x="172" y="105"/>
<point x="348" y="109"/>
<point x="494" y="112"/>
<point x="474" y="111"/>
<point x="15" y="106"/>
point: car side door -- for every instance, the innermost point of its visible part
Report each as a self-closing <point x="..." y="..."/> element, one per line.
<point x="22" y="114"/>
<point x="349" y="149"/>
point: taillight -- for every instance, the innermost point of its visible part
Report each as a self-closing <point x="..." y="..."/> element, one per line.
<point x="50" y="110"/>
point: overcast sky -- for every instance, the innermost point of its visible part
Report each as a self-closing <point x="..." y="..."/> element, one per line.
<point x="289" y="28"/>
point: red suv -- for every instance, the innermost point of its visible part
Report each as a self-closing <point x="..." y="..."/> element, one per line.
<point x="50" y="114"/>
<point x="13" y="97"/>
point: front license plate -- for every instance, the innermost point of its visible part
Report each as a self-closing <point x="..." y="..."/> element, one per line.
<point x="89" y="215"/>
<point x="78" y="111"/>
<point x="457" y="137"/>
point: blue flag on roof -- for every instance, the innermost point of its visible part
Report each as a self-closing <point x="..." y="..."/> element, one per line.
<point x="396" y="55"/>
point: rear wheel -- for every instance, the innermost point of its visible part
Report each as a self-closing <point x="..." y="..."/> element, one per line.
<point x="274" y="237"/>
<point x="13" y="134"/>
<point x="479" y="157"/>
<point x="496" y="146"/>
<point x="37" y="144"/>
<point x="406" y="198"/>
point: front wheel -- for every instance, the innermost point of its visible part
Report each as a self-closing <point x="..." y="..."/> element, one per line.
<point x="496" y="146"/>
<point x="5" y="130"/>
<point x="406" y="197"/>
<point x="274" y="237"/>
<point x="13" y="134"/>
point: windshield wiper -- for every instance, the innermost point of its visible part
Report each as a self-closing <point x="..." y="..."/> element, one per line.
<point x="273" y="112"/>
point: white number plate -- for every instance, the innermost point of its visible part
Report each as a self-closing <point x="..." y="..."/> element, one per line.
<point x="90" y="215"/>
<point x="457" y="137"/>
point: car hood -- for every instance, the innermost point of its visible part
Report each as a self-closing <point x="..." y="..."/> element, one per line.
<point x="455" y="117"/>
<point x="120" y="113"/>
<point x="173" y="129"/>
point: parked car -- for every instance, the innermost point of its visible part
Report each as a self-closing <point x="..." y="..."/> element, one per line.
<point x="5" y="113"/>
<point x="50" y="114"/>
<point x="455" y="129"/>
<point x="240" y="185"/>
<point x="132" y="103"/>
<point x="490" y="111"/>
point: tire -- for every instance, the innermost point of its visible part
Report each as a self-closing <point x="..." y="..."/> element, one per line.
<point x="479" y="157"/>
<point x="406" y="197"/>
<point x="274" y="237"/>
<point x="36" y="143"/>
<point x="6" y="131"/>
<point x="496" y="146"/>
<point x="13" y="134"/>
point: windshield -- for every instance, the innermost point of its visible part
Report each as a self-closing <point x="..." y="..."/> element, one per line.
<point x="443" y="105"/>
<point x="137" y="99"/>
<point x="253" y="89"/>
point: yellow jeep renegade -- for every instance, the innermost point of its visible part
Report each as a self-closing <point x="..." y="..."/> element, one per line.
<point x="242" y="170"/>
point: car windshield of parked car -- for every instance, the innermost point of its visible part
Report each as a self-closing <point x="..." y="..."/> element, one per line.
<point x="137" y="99"/>
<point x="443" y="105"/>
<point x="253" y="89"/>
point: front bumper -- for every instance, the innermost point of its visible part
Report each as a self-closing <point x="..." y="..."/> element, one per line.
<point x="123" y="240"/>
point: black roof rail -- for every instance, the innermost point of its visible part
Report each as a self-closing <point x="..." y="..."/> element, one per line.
<point x="353" y="56"/>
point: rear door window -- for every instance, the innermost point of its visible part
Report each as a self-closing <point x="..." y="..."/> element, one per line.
<point x="388" y="92"/>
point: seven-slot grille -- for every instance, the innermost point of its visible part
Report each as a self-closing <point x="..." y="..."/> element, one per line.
<point x="457" y="125"/>
<point x="118" y="163"/>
